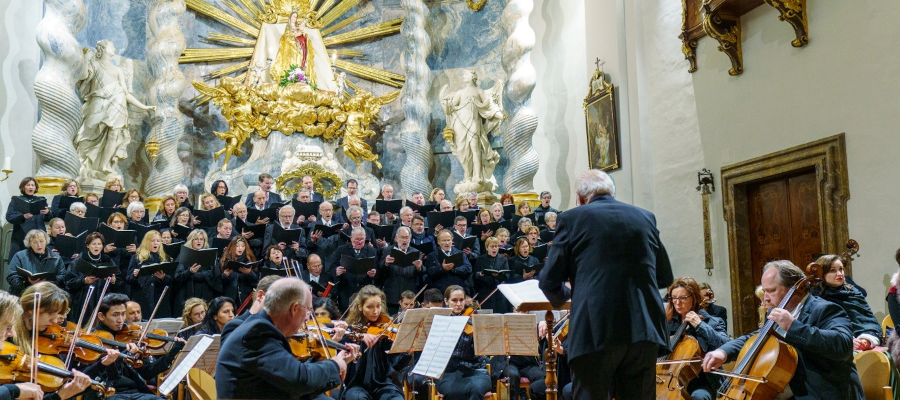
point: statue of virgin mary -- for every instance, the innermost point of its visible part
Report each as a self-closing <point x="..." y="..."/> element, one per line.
<point x="294" y="43"/>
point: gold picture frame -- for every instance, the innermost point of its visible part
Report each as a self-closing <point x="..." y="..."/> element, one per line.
<point x="602" y="124"/>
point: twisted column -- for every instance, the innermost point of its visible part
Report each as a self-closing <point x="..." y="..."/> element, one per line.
<point x="521" y="78"/>
<point x="168" y="83"/>
<point x="413" y="131"/>
<point x="54" y="87"/>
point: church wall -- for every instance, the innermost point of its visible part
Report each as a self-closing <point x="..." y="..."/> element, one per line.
<point x="19" y="63"/>
<point x="842" y="81"/>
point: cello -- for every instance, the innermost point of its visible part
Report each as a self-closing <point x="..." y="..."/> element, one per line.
<point x="682" y="365"/>
<point x="766" y="364"/>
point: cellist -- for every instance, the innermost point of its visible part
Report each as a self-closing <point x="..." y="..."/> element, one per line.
<point x="818" y="329"/>
<point x="709" y="332"/>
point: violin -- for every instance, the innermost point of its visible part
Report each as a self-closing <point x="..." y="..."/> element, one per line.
<point x="766" y="364"/>
<point x="561" y="329"/>
<point x="88" y="348"/>
<point x="306" y="346"/>
<point x="467" y="312"/>
<point x="681" y="366"/>
<point x="155" y="339"/>
<point x="15" y="366"/>
<point x="383" y="327"/>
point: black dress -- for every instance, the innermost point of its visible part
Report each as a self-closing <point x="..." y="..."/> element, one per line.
<point x="78" y="289"/>
<point x="146" y="290"/>
<point x="21" y="226"/>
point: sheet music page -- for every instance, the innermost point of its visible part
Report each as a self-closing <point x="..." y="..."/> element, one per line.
<point x="442" y="338"/>
<point x="207" y="360"/>
<point x="407" y="337"/>
<point x="185" y="363"/>
<point x="527" y="295"/>
<point x="522" y="333"/>
<point x="170" y="325"/>
<point x="488" y="334"/>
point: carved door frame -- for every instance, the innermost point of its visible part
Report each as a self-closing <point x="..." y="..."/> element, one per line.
<point x="829" y="158"/>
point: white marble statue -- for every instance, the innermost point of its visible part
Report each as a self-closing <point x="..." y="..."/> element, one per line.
<point x="103" y="137"/>
<point x="473" y="114"/>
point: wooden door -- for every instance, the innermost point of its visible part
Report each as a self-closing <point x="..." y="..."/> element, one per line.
<point x="784" y="221"/>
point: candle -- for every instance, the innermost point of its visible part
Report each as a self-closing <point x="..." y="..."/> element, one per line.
<point x="6" y="164"/>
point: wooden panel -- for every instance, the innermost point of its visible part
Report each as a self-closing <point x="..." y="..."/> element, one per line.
<point x="805" y="224"/>
<point x="770" y="224"/>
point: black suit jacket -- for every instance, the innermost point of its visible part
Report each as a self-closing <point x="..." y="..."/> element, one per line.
<point x="255" y="362"/>
<point x="316" y="196"/>
<point x="718" y="312"/>
<point x="611" y="254"/>
<point x="273" y="198"/>
<point x="324" y="278"/>
<point x="825" y="369"/>
<point x="349" y="283"/>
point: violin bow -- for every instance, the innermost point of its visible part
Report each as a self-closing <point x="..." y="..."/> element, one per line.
<point x="99" y="300"/>
<point x="152" y="315"/>
<point x="75" y="334"/>
<point x="35" y="316"/>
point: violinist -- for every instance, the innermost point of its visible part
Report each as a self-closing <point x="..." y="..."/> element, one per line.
<point x="130" y="383"/>
<point x="78" y="284"/>
<point x="465" y="376"/>
<point x="518" y="367"/>
<point x="221" y="312"/>
<point x="192" y="316"/>
<point x="53" y="306"/>
<point x="684" y="306"/>
<point x="147" y="290"/>
<point x="407" y="301"/>
<point x="370" y="377"/>
<point x="818" y="329"/>
<point x="10" y="312"/>
<point x="133" y="313"/>
<point x="398" y="277"/>
<point x="865" y="328"/>
<point x="432" y="298"/>
<point x="255" y="361"/>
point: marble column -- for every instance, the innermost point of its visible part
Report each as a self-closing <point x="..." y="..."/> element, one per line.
<point x="168" y="83"/>
<point x="54" y="87"/>
<point x="414" y="131"/>
<point x="523" y="160"/>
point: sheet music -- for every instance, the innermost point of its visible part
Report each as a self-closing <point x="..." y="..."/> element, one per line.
<point x="527" y="296"/>
<point x="179" y="372"/>
<point x="491" y="333"/>
<point x="410" y="336"/>
<point x="207" y="361"/>
<point x="170" y="325"/>
<point x="442" y="338"/>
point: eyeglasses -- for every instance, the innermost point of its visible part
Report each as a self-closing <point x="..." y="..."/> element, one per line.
<point x="681" y="299"/>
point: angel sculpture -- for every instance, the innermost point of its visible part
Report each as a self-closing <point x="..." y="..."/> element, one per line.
<point x="257" y="73"/>
<point x="103" y="137"/>
<point x="472" y="114"/>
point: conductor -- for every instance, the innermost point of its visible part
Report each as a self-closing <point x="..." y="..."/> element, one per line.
<point x="255" y="361"/>
<point x="614" y="251"/>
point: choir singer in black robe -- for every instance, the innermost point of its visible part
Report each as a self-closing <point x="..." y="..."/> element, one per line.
<point x="255" y="361"/>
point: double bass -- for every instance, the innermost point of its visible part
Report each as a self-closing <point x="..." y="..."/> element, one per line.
<point x="766" y="364"/>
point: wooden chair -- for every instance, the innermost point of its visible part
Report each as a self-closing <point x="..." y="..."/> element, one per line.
<point x="886" y="323"/>
<point x="434" y="395"/>
<point x="201" y="385"/>
<point x="875" y="373"/>
<point x="503" y="388"/>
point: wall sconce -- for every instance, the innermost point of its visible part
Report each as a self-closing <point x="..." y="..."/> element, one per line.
<point x="7" y="169"/>
<point x="706" y="185"/>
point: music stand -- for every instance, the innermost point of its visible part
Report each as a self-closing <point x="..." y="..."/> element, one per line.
<point x="527" y="296"/>
<point x="413" y="334"/>
<point x="505" y="334"/>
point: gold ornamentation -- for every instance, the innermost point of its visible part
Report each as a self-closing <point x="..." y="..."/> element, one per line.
<point x="689" y="49"/>
<point x="476" y="5"/>
<point x="726" y="30"/>
<point x="152" y="148"/>
<point x="325" y="182"/>
<point x="294" y="108"/>
<point x="794" y="12"/>
<point x="49" y="185"/>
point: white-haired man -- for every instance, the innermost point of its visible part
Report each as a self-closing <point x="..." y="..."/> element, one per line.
<point x="615" y="251"/>
<point x="255" y="360"/>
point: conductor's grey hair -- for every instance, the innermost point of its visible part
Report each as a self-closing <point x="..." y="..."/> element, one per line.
<point x="594" y="182"/>
<point x="284" y="293"/>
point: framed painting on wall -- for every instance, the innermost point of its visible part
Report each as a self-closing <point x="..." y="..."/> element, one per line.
<point x="601" y="118"/>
